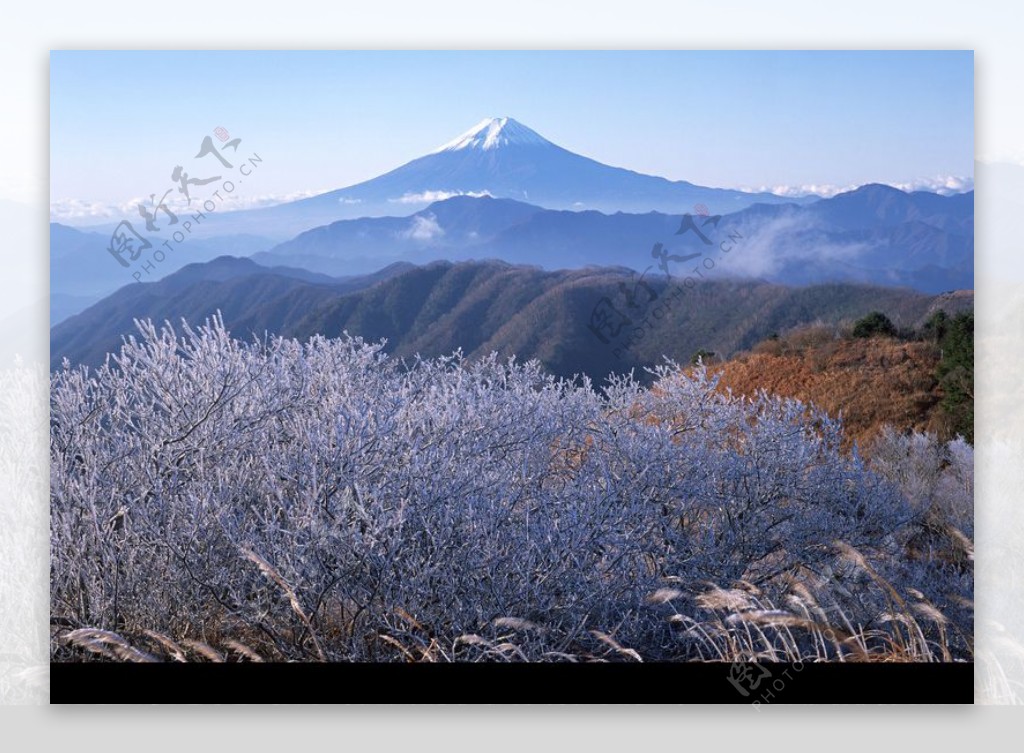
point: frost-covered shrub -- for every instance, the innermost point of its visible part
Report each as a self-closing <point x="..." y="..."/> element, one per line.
<point x="937" y="479"/>
<point x="931" y="474"/>
<point x="322" y="501"/>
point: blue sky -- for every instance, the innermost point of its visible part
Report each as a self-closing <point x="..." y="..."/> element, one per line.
<point x="120" y="121"/>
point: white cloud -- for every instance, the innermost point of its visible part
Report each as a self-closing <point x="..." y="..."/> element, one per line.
<point x="423" y="228"/>
<point x="791" y="238"/>
<point x="82" y="211"/>
<point x="436" y="196"/>
<point x="79" y="210"/>
<point x="943" y="184"/>
<point x="806" y="189"/>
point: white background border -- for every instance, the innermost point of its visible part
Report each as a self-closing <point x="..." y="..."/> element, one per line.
<point x="992" y="29"/>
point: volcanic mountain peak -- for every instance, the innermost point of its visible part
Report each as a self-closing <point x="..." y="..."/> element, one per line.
<point x="493" y="133"/>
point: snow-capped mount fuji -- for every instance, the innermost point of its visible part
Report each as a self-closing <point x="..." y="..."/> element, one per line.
<point x="494" y="133"/>
<point x="502" y="158"/>
<point x="506" y="159"/>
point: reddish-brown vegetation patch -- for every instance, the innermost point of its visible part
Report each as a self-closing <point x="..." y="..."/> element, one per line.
<point x="871" y="382"/>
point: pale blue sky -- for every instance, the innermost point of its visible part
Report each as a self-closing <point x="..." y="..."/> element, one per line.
<point x="120" y="121"/>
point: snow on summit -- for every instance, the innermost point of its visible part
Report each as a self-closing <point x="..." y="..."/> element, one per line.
<point x="492" y="133"/>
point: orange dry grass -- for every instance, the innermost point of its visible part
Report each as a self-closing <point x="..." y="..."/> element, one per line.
<point x="872" y="382"/>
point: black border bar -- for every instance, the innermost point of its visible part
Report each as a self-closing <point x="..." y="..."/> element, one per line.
<point x="758" y="685"/>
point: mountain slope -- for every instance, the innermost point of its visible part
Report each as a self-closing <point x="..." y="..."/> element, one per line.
<point x="265" y="298"/>
<point x="484" y="307"/>
<point x="875" y="234"/>
<point x="506" y="159"/>
<point x="500" y="157"/>
<point x="870" y="382"/>
<point x="82" y="270"/>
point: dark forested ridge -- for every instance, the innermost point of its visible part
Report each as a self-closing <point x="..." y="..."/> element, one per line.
<point x="481" y="307"/>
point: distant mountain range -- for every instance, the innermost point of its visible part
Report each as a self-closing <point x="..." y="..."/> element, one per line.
<point x="502" y="191"/>
<point x="498" y="157"/>
<point x="502" y="241"/>
<point x="502" y="158"/>
<point x="82" y="271"/>
<point x="874" y="234"/>
<point x="479" y="307"/>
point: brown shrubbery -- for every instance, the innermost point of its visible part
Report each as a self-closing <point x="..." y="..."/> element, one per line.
<point x="870" y="382"/>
